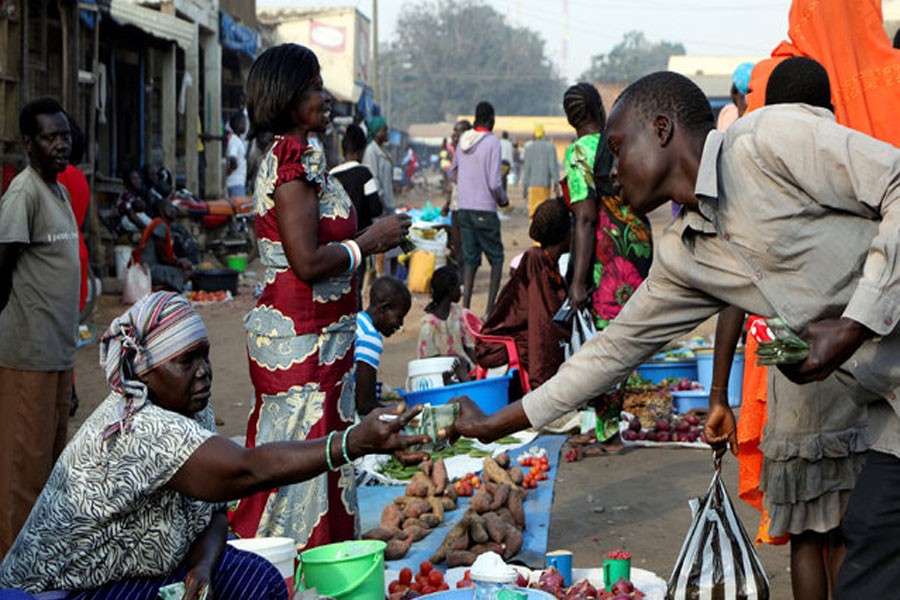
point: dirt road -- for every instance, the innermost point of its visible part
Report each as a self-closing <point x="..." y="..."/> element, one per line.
<point x="636" y="501"/>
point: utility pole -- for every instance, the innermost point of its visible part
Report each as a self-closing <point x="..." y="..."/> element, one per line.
<point x="375" y="86"/>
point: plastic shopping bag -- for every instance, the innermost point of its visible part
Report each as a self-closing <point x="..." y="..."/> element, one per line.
<point x="137" y="283"/>
<point x="717" y="559"/>
<point x="583" y="329"/>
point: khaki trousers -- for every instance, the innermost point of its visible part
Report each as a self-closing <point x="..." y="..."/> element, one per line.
<point x="34" y="417"/>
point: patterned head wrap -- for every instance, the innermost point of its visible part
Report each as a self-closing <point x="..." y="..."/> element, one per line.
<point x="741" y="77"/>
<point x="156" y="329"/>
<point x="374" y="124"/>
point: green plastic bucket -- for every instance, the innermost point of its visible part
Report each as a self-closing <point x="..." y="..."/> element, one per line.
<point x="238" y="262"/>
<point x="344" y="571"/>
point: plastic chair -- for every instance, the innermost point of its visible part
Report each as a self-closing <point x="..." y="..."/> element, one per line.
<point x="473" y="326"/>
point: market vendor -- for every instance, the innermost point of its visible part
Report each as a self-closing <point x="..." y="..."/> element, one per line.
<point x="137" y="499"/>
<point x="764" y="228"/>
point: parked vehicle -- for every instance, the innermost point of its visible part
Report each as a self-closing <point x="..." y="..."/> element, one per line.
<point x="222" y="226"/>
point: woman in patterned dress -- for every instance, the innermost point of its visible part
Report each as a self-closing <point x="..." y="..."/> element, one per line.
<point x="300" y="335"/>
<point x="136" y="501"/>
<point x="612" y="247"/>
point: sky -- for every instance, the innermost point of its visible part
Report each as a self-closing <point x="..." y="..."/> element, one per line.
<point x="589" y="27"/>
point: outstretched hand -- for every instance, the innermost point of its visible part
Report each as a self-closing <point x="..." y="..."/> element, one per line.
<point x="380" y="432"/>
<point x="831" y="343"/>
<point x="721" y="429"/>
<point x="469" y="423"/>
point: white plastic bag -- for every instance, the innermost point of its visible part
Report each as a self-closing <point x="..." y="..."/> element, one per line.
<point x="137" y="283"/>
<point x="718" y="559"/>
<point x="583" y="329"/>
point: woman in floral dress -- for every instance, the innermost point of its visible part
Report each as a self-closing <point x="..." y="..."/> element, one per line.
<point x="612" y="247"/>
<point x="300" y="335"/>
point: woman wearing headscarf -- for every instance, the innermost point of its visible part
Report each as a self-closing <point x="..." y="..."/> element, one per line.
<point x="300" y="335"/>
<point x="379" y="161"/>
<point x="612" y="247"/>
<point x="136" y="500"/>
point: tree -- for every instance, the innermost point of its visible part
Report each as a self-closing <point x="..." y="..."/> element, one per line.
<point x="447" y="56"/>
<point x="631" y="59"/>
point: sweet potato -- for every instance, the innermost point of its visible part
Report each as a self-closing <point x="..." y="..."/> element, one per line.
<point x="451" y="493"/>
<point x="429" y="520"/>
<point x="460" y="558"/>
<point x="410" y="522"/>
<point x="515" y="473"/>
<point x="488" y="547"/>
<point x="397" y="548"/>
<point x="515" y="506"/>
<point x="416" y="489"/>
<point x="462" y="543"/>
<point x="507" y="516"/>
<point x="497" y="528"/>
<point x="513" y="543"/>
<point x="494" y="472"/>
<point x="439" y="477"/>
<point x="385" y="534"/>
<point x="481" y="501"/>
<point x="426" y="464"/>
<point x="437" y="508"/>
<point x="416" y="509"/>
<point x="500" y="497"/>
<point x="502" y="459"/>
<point x="456" y="532"/>
<point x="390" y="516"/>
<point x="448" y="503"/>
<point x="477" y="530"/>
<point x="417" y="532"/>
<point x="421" y="477"/>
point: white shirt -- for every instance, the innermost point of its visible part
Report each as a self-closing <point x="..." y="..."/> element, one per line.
<point x="237" y="150"/>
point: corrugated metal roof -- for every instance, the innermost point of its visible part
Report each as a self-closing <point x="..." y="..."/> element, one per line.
<point x="158" y="24"/>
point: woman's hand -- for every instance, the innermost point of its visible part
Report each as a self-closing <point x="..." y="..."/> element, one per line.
<point x="384" y="234"/>
<point x="470" y="421"/>
<point x="197" y="580"/>
<point x="578" y="295"/>
<point x="380" y="432"/>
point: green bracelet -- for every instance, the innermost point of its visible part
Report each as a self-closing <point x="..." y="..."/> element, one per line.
<point x="344" y="444"/>
<point x="328" y="451"/>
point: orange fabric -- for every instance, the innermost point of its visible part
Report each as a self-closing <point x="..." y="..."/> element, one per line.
<point x="848" y="39"/>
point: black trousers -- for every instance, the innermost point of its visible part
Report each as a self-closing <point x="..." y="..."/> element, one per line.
<point x="871" y="528"/>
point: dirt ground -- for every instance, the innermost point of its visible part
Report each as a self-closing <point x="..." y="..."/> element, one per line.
<point x="636" y="500"/>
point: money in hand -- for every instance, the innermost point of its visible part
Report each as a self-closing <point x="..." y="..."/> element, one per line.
<point x="778" y="344"/>
<point x="430" y="421"/>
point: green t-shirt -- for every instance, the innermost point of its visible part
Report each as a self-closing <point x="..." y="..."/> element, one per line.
<point x="579" y="167"/>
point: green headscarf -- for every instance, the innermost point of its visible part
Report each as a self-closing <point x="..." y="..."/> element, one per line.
<point x="374" y="124"/>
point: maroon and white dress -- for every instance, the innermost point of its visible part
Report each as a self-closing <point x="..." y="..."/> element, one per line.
<point x="300" y="344"/>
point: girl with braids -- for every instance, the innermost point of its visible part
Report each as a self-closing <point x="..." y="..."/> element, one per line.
<point x="443" y="331"/>
<point x="612" y="247"/>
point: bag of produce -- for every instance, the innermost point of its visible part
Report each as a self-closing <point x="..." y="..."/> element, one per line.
<point x="717" y="559"/>
<point x="583" y="329"/>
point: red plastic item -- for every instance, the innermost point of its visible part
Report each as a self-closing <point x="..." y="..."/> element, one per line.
<point x="473" y="325"/>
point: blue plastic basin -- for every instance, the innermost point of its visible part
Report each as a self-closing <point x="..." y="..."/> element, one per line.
<point x="489" y="394"/>
<point x="657" y="371"/>
<point x="687" y="400"/>
<point x="469" y="594"/>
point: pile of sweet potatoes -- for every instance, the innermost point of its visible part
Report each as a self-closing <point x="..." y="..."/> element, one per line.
<point x="495" y="518"/>
<point x="411" y="517"/>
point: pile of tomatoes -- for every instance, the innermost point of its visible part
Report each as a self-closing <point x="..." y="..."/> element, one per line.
<point x="538" y="471"/>
<point x="203" y="297"/>
<point x="467" y="484"/>
<point x="428" y="580"/>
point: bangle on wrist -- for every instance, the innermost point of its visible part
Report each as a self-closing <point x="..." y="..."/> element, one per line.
<point x="718" y="388"/>
<point x="357" y="253"/>
<point x="344" y="444"/>
<point x="328" y="450"/>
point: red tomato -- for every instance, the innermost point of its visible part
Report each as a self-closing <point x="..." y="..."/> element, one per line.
<point x="405" y="576"/>
<point x="435" y="578"/>
<point x="426" y="567"/>
<point x="444" y="587"/>
<point x="396" y="586"/>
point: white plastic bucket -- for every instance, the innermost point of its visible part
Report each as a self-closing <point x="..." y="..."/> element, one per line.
<point x="123" y="255"/>
<point x="280" y="551"/>
<point x="428" y="373"/>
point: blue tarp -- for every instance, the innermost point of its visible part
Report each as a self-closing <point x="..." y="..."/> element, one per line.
<point x="87" y="16"/>
<point x="237" y="37"/>
<point x="372" y="500"/>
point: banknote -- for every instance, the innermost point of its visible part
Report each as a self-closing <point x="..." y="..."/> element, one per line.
<point x="430" y="421"/>
<point x="778" y="343"/>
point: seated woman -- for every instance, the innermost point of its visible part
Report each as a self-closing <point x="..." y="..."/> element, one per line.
<point x="132" y="206"/>
<point x="137" y="499"/>
<point x="173" y="252"/>
<point x="443" y="331"/>
<point x="527" y="303"/>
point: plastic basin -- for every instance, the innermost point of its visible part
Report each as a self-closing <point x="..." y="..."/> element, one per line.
<point x="489" y="394"/>
<point x="280" y="551"/>
<point x="735" y="377"/>
<point x="345" y="570"/>
<point x="657" y="371"/>
<point x="688" y="400"/>
<point x="428" y="373"/>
